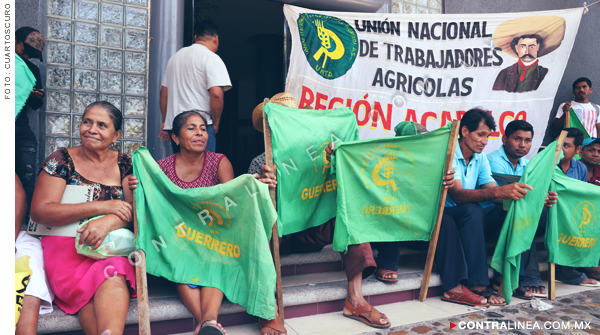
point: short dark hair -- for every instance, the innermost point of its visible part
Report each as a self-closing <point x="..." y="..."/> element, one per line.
<point x="578" y="80"/>
<point x="180" y="121"/>
<point x="115" y="114"/>
<point x="515" y="125"/>
<point x="473" y="118"/>
<point x="515" y="41"/>
<point x="206" y="28"/>
<point x="577" y="134"/>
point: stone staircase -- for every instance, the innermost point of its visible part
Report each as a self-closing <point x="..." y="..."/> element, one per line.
<point x="313" y="283"/>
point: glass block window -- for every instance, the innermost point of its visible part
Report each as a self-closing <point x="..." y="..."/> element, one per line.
<point x="97" y="50"/>
<point x="417" y="6"/>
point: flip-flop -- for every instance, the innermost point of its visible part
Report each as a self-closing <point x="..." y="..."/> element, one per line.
<point x="593" y="274"/>
<point x="466" y="298"/>
<point x="589" y="285"/>
<point x="380" y="275"/>
<point x="372" y="320"/>
<point x="206" y="329"/>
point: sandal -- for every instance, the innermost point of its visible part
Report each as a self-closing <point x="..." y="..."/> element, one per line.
<point x="206" y="329"/>
<point x="521" y="293"/>
<point x="593" y="273"/>
<point x="465" y="298"/>
<point x="539" y="288"/>
<point x="371" y="320"/>
<point x="487" y="293"/>
<point x="380" y="275"/>
<point x="273" y="324"/>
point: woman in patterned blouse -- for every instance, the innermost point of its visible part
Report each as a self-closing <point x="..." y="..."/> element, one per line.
<point x="193" y="166"/>
<point x="98" y="290"/>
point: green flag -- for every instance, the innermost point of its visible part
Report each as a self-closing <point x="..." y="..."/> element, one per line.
<point x="522" y="219"/>
<point x="24" y="82"/>
<point x="573" y="223"/>
<point x="210" y="236"/>
<point x="389" y="188"/>
<point x="306" y="191"/>
<point x="576" y="123"/>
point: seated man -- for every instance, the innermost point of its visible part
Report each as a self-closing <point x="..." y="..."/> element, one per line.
<point x="449" y="255"/>
<point x="590" y="157"/>
<point x="576" y="170"/>
<point x="510" y="159"/>
<point x="358" y="263"/>
<point x="474" y="184"/>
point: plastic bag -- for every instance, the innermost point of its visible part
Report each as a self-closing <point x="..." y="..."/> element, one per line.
<point x="119" y="242"/>
<point x="22" y="276"/>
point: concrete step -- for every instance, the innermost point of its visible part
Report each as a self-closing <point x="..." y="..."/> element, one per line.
<point x="303" y="295"/>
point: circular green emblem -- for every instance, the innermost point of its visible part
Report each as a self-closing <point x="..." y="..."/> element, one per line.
<point x="330" y="44"/>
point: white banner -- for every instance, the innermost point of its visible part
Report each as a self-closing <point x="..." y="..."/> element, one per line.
<point x="430" y="69"/>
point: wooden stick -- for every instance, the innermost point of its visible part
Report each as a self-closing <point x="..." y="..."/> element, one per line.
<point x="438" y="222"/>
<point x="551" y="266"/>
<point x="568" y="121"/>
<point x="275" y="237"/>
<point x="141" y="284"/>
<point x="552" y="282"/>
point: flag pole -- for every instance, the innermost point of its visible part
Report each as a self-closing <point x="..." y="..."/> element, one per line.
<point x="141" y="284"/>
<point x="275" y="236"/>
<point x="568" y="121"/>
<point x="551" y="266"/>
<point x="438" y="222"/>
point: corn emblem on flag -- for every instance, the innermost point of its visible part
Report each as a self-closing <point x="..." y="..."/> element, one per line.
<point x="210" y="236"/>
<point x="389" y="188"/>
<point x="306" y="190"/>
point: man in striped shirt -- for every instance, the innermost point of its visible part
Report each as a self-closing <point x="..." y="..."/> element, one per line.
<point x="587" y="112"/>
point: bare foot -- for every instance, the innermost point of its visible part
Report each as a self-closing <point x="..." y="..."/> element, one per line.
<point x="267" y="330"/>
<point x="535" y="289"/>
<point x="590" y="281"/>
<point x="359" y="302"/>
<point x="494" y="299"/>
<point x="211" y="322"/>
<point x="106" y="332"/>
<point x="390" y="276"/>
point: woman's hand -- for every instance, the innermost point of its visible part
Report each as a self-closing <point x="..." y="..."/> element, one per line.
<point x="121" y="209"/>
<point x="133" y="181"/>
<point x="329" y="150"/>
<point x="268" y="176"/>
<point x="94" y="232"/>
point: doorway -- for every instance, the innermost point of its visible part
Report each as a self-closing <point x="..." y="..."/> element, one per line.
<point x="251" y="46"/>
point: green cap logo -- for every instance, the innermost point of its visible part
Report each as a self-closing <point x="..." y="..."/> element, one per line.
<point x="330" y="44"/>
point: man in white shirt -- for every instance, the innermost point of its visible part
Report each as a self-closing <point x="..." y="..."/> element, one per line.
<point x="587" y="112"/>
<point x="195" y="79"/>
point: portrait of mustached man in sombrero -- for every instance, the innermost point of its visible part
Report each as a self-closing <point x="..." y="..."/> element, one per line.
<point x="527" y="39"/>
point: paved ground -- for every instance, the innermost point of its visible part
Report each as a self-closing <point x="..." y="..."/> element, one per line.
<point x="579" y="309"/>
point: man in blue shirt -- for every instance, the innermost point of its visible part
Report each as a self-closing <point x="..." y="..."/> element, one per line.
<point x="510" y="159"/>
<point x="474" y="184"/>
<point x="576" y="170"/>
<point x="571" y="147"/>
